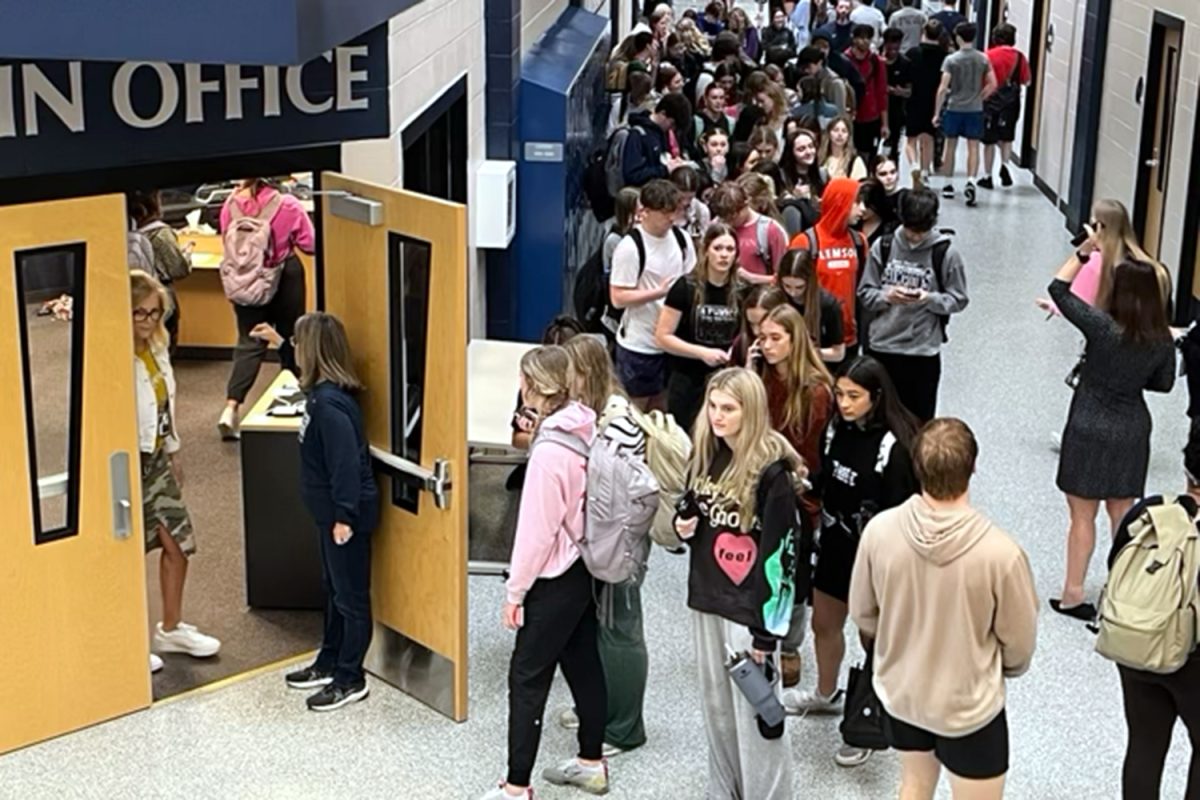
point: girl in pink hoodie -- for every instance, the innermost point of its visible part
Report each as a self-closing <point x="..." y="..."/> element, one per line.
<point x="550" y="594"/>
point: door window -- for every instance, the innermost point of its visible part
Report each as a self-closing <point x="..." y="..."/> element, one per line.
<point x="50" y="287"/>
<point x="408" y="279"/>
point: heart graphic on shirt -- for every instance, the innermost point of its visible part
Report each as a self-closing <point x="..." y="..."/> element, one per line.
<point x="735" y="554"/>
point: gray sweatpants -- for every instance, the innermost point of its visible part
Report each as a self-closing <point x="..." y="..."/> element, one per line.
<point x="742" y="765"/>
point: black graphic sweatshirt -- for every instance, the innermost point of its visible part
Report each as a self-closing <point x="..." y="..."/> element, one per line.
<point x="745" y="577"/>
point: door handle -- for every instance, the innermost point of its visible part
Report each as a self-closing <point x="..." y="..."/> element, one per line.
<point x="436" y="481"/>
<point x="1152" y="163"/>
<point x="120" y="494"/>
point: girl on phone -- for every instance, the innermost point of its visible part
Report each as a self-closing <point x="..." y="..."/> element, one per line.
<point x="549" y="600"/>
<point x="758" y="300"/>
<point x="337" y="483"/>
<point x="740" y="521"/>
<point x="796" y="276"/>
<point x="166" y="521"/>
<point x="838" y="156"/>
<point x="699" y="321"/>
<point x="865" y="469"/>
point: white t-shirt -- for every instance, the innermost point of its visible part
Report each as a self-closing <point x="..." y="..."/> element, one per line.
<point x="870" y="15"/>
<point x="663" y="262"/>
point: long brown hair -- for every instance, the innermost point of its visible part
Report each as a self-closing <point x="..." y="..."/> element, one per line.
<point x="700" y="274"/>
<point x="804" y="371"/>
<point x="323" y="352"/>
<point x="798" y="263"/>
<point x="760" y="191"/>
<point x="1137" y="305"/>
<point x="1119" y="243"/>
<point x="592" y="378"/>
<point x="761" y="295"/>
<point x="848" y="155"/>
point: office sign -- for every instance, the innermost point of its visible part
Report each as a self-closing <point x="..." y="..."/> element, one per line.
<point x="68" y="116"/>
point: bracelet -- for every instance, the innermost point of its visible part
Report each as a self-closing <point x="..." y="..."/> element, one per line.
<point x="1082" y="257"/>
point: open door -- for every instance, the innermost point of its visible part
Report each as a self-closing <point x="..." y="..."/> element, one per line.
<point x="72" y="581"/>
<point x="1158" y="125"/>
<point x="1039" y="52"/>
<point x="395" y="272"/>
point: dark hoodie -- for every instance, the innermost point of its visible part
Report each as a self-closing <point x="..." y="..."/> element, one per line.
<point x="838" y="249"/>
<point x="643" y="157"/>
<point x="747" y="577"/>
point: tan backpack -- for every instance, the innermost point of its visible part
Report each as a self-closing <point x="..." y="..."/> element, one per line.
<point x="668" y="449"/>
<point x="1149" y="615"/>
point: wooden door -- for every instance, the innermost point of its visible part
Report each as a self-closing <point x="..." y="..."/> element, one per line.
<point x="1157" y="128"/>
<point x="395" y="272"/>
<point x="72" y="582"/>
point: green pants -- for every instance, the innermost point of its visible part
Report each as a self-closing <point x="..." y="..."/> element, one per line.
<point x="623" y="653"/>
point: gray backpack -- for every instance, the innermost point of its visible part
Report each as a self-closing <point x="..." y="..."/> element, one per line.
<point x="622" y="498"/>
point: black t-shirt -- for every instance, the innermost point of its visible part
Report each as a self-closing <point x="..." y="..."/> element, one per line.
<point x="899" y="73"/>
<point x="925" y="73"/>
<point x="832" y="333"/>
<point x="714" y="323"/>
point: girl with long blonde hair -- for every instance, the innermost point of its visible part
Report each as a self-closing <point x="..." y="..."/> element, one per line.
<point x="838" y="156"/>
<point x="739" y="518"/>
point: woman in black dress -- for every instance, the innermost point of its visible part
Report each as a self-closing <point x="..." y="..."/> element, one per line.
<point x="1106" y="442"/>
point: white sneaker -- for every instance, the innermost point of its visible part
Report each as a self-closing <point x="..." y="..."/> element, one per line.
<point x="156" y="663"/>
<point x="499" y="794"/>
<point x="848" y="756"/>
<point x="228" y="425"/>
<point x="185" y="639"/>
<point x="1055" y="441"/>
<point x="569" y="719"/>
<point x="813" y="702"/>
<point x="610" y="750"/>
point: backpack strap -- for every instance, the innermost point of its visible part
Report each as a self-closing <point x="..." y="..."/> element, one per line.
<point x="681" y="240"/>
<point x="560" y="437"/>
<point x="640" y="244"/>
<point x="762" y="238"/>
<point x="939" y="264"/>
<point x="268" y="212"/>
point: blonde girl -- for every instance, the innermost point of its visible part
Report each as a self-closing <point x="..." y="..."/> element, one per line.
<point x="838" y="156"/>
<point x="760" y="191"/>
<point x="740" y="521"/>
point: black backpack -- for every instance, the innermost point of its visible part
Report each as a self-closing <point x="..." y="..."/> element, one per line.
<point x="1007" y="98"/>
<point x="595" y="187"/>
<point x="939" y="265"/>
<point x="590" y="293"/>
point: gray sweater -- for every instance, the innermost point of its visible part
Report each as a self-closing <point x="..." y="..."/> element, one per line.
<point x="912" y="329"/>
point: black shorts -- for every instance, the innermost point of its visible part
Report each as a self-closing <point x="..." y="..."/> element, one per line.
<point x="976" y="756"/>
<point x="1000" y="126"/>
<point x="641" y="374"/>
<point x="918" y="120"/>
<point x="835" y="561"/>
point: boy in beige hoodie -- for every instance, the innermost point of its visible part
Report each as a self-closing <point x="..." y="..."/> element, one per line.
<point x="948" y="599"/>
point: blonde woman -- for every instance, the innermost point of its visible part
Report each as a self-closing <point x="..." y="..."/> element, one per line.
<point x="838" y="156"/>
<point x="699" y="321"/>
<point x="622" y="642"/>
<point x="549" y="600"/>
<point x="740" y="520"/>
<point x="167" y="524"/>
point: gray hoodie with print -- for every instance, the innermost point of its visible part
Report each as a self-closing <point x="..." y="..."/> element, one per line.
<point x="912" y="329"/>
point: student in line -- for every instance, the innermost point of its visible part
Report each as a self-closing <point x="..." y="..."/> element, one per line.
<point x="758" y="300"/>
<point x="549" y="601"/>
<point x="1106" y="442"/>
<point x="166" y="522"/>
<point x="740" y="521"/>
<point x="866" y="469"/>
<point x="761" y="240"/>
<point x="291" y="230"/>
<point x="800" y="401"/>
<point x="839" y="159"/>
<point x="805" y="178"/>
<point x="622" y="642"/>
<point x="699" y="321"/>
<point x="337" y="483"/>
<point x="797" y="277"/>
<point x="908" y="300"/>
<point x="947" y="601"/>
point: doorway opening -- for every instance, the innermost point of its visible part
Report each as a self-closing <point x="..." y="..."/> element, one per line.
<point x="1039" y="49"/>
<point x="1159" y="98"/>
<point x="1187" y="285"/>
<point x="435" y="147"/>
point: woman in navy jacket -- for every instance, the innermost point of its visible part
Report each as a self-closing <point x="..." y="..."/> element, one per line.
<point x="338" y="488"/>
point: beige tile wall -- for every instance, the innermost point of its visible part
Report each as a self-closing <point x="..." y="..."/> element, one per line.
<point x="536" y="17"/>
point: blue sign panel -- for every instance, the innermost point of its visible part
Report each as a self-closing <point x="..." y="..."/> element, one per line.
<point x="66" y="116"/>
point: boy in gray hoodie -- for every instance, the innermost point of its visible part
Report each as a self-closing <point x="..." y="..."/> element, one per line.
<point x="911" y="285"/>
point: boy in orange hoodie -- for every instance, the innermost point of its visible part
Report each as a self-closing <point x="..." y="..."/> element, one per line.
<point x="840" y="253"/>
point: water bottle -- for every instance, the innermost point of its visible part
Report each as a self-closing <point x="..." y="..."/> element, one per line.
<point x="759" y="689"/>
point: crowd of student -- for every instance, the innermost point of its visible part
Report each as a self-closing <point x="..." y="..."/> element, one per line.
<point x="769" y="284"/>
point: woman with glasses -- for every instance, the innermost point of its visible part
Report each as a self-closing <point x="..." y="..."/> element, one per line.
<point x="166" y="521"/>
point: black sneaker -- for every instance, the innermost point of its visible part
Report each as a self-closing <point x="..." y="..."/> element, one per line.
<point x="308" y="678"/>
<point x="333" y="696"/>
<point x="969" y="193"/>
<point x="948" y="191"/>
<point x="986" y="183"/>
<point x="1005" y="177"/>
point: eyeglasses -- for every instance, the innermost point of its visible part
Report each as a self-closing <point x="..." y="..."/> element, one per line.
<point x="141" y="314"/>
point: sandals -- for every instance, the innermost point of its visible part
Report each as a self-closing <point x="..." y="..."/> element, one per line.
<point x="1085" y="612"/>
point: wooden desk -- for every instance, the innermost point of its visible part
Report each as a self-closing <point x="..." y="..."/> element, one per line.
<point x="283" y="561"/>
<point x="206" y="318"/>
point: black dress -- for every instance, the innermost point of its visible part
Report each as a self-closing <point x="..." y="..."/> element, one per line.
<point x="1106" y="443"/>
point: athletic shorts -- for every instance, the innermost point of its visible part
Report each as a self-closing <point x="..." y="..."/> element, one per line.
<point x="1000" y="126"/>
<point x="963" y="124"/>
<point x="835" y="561"/>
<point x="641" y="374"/>
<point x="977" y="756"/>
<point x="918" y="120"/>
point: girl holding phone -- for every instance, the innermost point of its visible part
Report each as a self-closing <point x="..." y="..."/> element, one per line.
<point x="758" y="300"/>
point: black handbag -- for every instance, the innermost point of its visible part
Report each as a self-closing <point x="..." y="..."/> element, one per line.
<point x="1007" y="97"/>
<point x="862" y="723"/>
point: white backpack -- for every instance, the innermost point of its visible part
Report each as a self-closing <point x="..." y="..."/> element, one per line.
<point x="1149" y="616"/>
<point x="245" y="274"/>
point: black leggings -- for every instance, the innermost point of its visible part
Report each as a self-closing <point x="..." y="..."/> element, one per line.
<point x="560" y="629"/>
<point x="1152" y="703"/>
<point x="916" y="379"/>
<point x="282" y="312"/>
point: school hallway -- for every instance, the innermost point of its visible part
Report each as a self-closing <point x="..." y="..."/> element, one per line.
<point x="1003" y="373"/>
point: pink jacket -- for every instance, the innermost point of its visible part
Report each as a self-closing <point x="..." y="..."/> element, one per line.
<point x="1087" y="281"/>
<point x="552" y="505"/>
<point x="291" y="229"/>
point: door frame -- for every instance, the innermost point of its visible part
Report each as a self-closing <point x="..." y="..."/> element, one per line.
<point x="1033" y="94"/>
<point x="1082" y="182"/>
<point x="1187" y="307"/>
<point x="1162" y="22"/>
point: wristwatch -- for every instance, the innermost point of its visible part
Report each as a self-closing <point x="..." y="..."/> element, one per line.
<point x="1082" y="256"/>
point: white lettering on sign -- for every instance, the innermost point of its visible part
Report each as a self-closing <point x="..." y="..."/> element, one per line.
<point x="235" y="84"/>
<point x="271" y="107"/>
<point x="123" y="103"/>
<point x="195" y="87"/>
<point x="347" y="76"/>
<point x="69" y="110"/>
<point x="295" y="90"/>
<point x="8" y="122"/>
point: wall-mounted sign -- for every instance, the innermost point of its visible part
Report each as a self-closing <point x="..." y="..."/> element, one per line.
<point x="66" y="116"/>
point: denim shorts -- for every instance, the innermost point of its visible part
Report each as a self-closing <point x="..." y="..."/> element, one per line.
<point x="641" y="374"/>
<point x="965" y="124"/>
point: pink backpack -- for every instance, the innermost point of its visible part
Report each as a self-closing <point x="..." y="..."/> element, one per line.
<point x="245" y="274"/>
